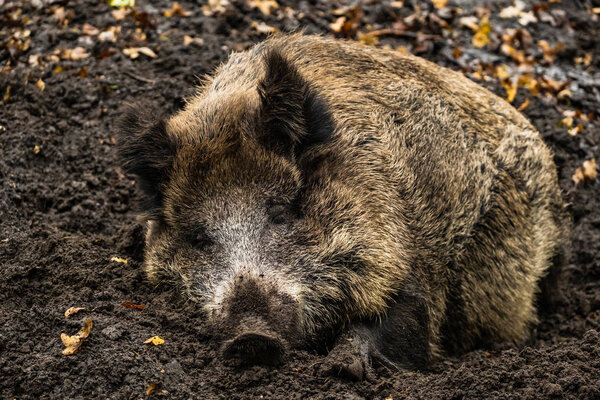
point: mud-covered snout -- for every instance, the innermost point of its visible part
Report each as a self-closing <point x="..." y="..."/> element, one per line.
<point x="257" y="321"/>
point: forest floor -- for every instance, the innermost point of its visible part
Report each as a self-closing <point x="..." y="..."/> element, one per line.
<point x="69" y="236"/>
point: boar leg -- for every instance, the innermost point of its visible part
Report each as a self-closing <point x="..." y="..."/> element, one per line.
<point x="400" y="339"/>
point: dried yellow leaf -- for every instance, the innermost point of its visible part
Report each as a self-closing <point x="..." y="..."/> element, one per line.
<point x="134" y="52"/>
<point x="176" y="9"/>
<point x="587" y="173"/>
<point x="73" y="343"/>
<point x="511" y="89"/>
<point x="151" y="388"/>
<point x="481" y="37"/>
<point x="73" y="310"/>
<point x="119" y="260"/>
<point x="265" y="6"/>
<point x="36" y="149"/>
<point x="439" y="3"/>
<point x="155" y="340"/>
<point x="40" y="84"/>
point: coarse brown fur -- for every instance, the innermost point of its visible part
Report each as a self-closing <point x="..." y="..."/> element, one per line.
<point x="370" y="187"/>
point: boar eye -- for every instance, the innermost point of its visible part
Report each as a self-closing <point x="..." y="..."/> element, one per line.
<point x="278" y="214"/>
<point x="200" y="240"/>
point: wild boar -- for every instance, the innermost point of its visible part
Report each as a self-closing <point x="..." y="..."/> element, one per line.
<point x="313" y="188"/>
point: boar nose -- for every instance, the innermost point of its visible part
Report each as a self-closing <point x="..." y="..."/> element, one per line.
<point x="254" y="347"/>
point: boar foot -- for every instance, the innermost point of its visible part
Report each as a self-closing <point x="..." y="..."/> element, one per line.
<point x="352" y="357"/>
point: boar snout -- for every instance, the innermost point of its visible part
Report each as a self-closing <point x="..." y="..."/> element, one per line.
<point x="257" y="323"/>
<point x="256" y="344"/>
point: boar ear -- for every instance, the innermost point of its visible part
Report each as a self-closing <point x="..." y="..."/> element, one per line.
<point x="147" y="151"/>
<point x="293" y="115"/>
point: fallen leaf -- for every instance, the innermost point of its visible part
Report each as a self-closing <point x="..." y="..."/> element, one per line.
<point x="77" y="53"/>
<point x="265" y="6"/>
<point x="511" y="89"/>
<point x="502" y="71"/>
<point x="439" y="3"/>
<point x="187" y="40"/>
<point x="120" y="14"/>
<point x="564" y="93"/>
<point x="574" y="131"/>
<point x="155" y="340"/>
<point x="73" y="310"/>
<point x="110" y="35"/>
<point x="367" y="38"/>
<point x="73" y="343"/>
<point x="89" y="30"/>
<point x="36" y="149"/>
<point x="262" y="27"/>
<point x="176" y="9"/>
<point x="587" y="173"/>
<point x="550" y="52"/>
<point x="83" y="72"/>
<point x="566" y="122"/>
<point x="524" y="105"/>
<point x="513" y="10"/>
<point x="40" y="84"/>
<point x="119" y="260"/>
<point x="129" y="304"/>
<point x="151" y="388"/>
<point x="6" y="96"/>
<point x="122" y="3"/>
<point x="470" y="22"/>
<point x="481" y="37"/>
<point x="585" y="60"/>
<point x="529" y="83"/>
<point x="338" y="24"/>
<point x="134" y="52"/>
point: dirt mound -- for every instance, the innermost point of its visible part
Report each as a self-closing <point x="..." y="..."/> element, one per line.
<point x="67" y="219"/>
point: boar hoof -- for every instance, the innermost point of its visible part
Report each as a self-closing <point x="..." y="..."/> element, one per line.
<point x="254" y="348"/>
<point x="352" y="357"/>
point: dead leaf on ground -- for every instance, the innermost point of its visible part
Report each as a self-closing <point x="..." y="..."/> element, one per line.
<point x="587" y="173"/>
<point x="119" y="260"/>
<point x="134" y="52"/>
<point x="439" y="3"/>
<point x="75" y="54"/>
<point x="73" y="343"/>
<point x="574" y="131"/>
<point x="550" y="52"/>
<point x="129" y="304"/>
<point x="73" y="310"/>
<point x="524" y="105"/>
<point x="367" y="38"/>
<point x="122" y="3"/>
<point x="155" y="340"/>
<point x="89" y="30"/>
<point x="265" y="6"/>
<point x="36" y="149"/>
<point x="120" y="14"/>
<point x="481" y="37"/>
<point x="152" y="388"/>
<point x="187" y="40"/>
<point x="262" y="27"/>
<point x="109" y="35"/>
<point x="176" y="9"/>
<point x="40" y="84"/>
<point x="511" y="89"/>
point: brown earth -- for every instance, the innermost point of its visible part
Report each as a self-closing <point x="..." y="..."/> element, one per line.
<point x="66" y="209"/>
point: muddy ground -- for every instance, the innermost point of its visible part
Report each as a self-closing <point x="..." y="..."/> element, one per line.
<point x="66" y="209"/>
